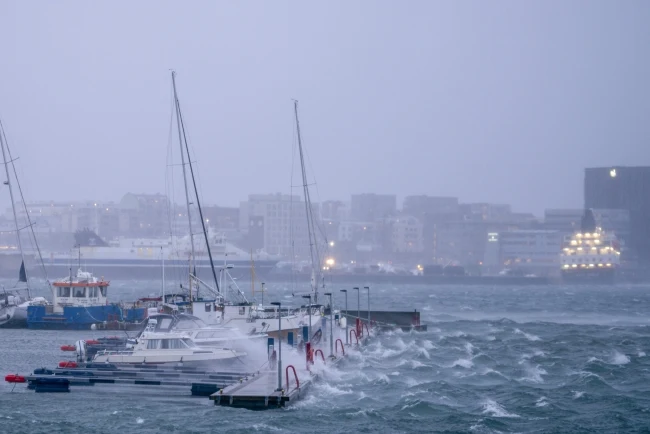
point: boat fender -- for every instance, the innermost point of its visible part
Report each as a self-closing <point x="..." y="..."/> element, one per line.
<point x="14" y="378"/>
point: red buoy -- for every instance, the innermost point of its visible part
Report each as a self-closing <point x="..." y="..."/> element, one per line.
<point x="14" y="378"/>
<point x="68" y="348"/>
<point x="67" y="364"/>
<point x="92" y="342"/>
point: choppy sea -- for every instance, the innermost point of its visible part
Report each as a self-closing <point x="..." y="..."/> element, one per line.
<point x="494" y="359"/>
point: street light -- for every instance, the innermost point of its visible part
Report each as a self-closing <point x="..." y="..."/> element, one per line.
<point x="309" y="310"/>
<point x="358" y="324"/>
<point x="279" y="305"/>
<point x="346" y="314"/>
<point x="331" y="325"/>
<point x="368" y="288"/>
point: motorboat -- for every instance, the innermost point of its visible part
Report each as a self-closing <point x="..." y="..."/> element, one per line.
<point x="153" y="347"/>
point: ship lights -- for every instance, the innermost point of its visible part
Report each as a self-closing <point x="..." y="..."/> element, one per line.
<point x="574" y="266"/>
<point x="600" y="265"/>
<point x="608" y="265"/>
<point x="566" y="265"/>
<point x="574" y="242"/>
<point x="591" y="265"/>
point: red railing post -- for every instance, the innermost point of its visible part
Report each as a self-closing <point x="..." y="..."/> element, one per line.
<point x="367" y="330"/>
<point x="356" y="336"/>
<point x="309" y="354"/>
<point x="286" y="374"/>
<point x="358" y="327"/>
<point x="321" y="354"/>
<point x="337" y="348"/>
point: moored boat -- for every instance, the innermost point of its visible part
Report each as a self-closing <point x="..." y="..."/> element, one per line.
<point x="153" y="347"/>
<point x="80" y="302"/>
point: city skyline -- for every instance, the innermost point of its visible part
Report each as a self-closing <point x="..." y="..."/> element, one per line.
<point x="426" y="99"/>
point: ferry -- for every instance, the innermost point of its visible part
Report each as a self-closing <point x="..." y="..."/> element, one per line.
<point x="80" y="302"/>
<point x="590" y="255"/>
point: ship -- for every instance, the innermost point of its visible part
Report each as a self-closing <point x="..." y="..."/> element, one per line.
<point x="591" y="255"/>
<point x="142" y="257"/>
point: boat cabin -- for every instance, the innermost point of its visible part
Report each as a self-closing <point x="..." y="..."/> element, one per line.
<point x="81" y="290"/>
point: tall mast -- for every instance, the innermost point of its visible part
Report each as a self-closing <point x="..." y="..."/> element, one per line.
<point x="180" y="142"/>
<point x="183" y="139"/>
<point x="13" y="207"/>
<point x="313" y="248"/>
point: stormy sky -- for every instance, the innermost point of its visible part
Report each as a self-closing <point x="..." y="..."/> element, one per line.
<point x="501" y="102"/>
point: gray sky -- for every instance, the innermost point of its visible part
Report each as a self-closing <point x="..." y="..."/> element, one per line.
<point x="489" y="101"/>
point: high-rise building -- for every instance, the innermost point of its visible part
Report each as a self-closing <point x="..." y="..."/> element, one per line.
<point x="369" y="207"/>
<point x="623" y="188"/>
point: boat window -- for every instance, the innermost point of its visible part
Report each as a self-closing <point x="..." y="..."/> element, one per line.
<point x="63" y="291"/>
<point x="172" y="344"/>
<point x="164" y="324"/>
<point x="103" y="290"/>
<point x="92" y="292"/>
<point x="208" y="307"/>
<point x="189" y="343"/>
<point x="187" y="325"/>
<point x="153" y="344"/>
<point x="79" y="291"/>
<point x="204" y="335"/>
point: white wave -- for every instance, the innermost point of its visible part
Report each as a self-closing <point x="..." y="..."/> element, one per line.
<point x="394" y="374"/>
<point x="493" y="408"/>
<point x="541" y="402"/>
<point x="266" y="428"/>
<point x="619" y="359"/>
<point x="139" y="420"/>
<point x="463" y="363"/>
<point x="490" y="338"/>
<point x="534" y="374"/>
<point x="493" y="371"/>
<point x="415" y="364"/>
<point x="328" y="389"/>
<point x="469" y="348"/>
<point x="383" y="378"/>
<point x="425" y="353"/>
<point x="641" y="354"/>
<point x="115" y="412"/>
<point x="528" y="336"/>
<point x="577" y="394"/>
<point x="428" y="345"/>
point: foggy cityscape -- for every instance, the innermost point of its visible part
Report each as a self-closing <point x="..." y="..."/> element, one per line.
<point x="369" y="216"/>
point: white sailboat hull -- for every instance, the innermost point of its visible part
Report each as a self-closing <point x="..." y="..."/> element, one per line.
<point x="13" y="317"/>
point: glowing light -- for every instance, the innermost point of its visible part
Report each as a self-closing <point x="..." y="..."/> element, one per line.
<point x="574" y="265"/>
<point x="566" y="265"/>
<point x="612" y="173"/>
<point x="331" y="243"/>
<point x="574" y="242"/>
<point x="591" y="265"/>
<point x="608" y="265"/>
<point x="600" y="265"/>
<point x="330" y="262"/>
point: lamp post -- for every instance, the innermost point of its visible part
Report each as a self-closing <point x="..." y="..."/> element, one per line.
<point x="346" y="313"/>
<point x="329" y="294"/>
<point x="358" y="324"/>
<point x="279" y="305"/>
<point x="368" y="288"/>
<point x="309" y="310"/>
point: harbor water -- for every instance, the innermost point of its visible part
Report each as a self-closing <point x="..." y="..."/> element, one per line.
<point x="494" y="359"/>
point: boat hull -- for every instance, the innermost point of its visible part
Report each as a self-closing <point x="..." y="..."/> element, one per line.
<point x="13" y="317"/>
<point x="598" y="276"/>
<point x="201" y="357"/>
<point x="83" y="317"/>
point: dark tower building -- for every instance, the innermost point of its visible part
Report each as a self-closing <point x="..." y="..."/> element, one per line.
<point x="626" y="188"/>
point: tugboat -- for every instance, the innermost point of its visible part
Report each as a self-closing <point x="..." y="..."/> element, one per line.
<point x="590" y="255"/>
<point x="81" y="303"/>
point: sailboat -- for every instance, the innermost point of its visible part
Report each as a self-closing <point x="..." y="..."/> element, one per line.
<point x="312" y="309"/>
<point x="221" y="307"/>
<point x="14" y="301"/>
